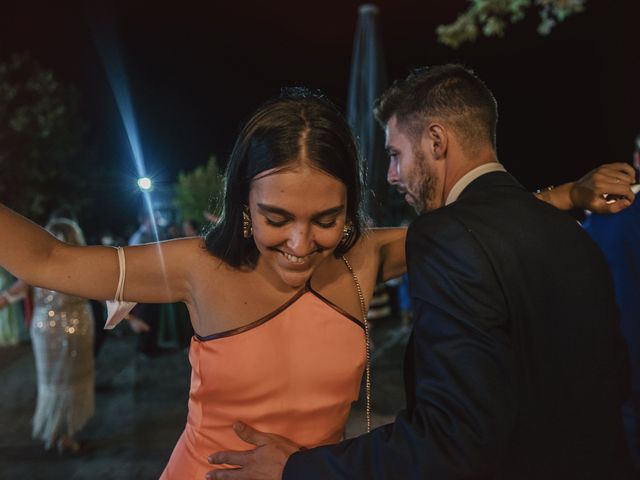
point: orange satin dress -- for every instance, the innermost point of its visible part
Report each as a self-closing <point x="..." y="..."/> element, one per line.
<point x="294" y="372"/>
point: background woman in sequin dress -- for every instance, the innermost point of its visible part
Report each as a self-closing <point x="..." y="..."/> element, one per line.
<point x="62" y="337"/>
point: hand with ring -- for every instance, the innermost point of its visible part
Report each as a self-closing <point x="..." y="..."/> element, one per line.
<point x="606" y="189"/>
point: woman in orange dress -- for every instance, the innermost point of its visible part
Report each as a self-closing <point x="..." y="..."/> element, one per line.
<point x="280" y="334"/>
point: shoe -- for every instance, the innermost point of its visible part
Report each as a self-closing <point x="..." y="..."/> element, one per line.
<point x="67" y="445"/>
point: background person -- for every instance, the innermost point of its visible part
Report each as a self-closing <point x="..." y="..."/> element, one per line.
<point x="62" y="340"/>
<point x="619" y="238"/>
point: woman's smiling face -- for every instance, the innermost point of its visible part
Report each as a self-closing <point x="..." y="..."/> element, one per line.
<point x="298" y="215"/>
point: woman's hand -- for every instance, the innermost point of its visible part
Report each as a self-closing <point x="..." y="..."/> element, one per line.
<point x="606" y="189"/>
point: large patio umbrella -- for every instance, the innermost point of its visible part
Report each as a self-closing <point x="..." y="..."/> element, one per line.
<point x="368" y="80"/>
<point x="383" y="205"/>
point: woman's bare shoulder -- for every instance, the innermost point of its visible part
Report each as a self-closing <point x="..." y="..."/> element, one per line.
<point x="193" y="251"/>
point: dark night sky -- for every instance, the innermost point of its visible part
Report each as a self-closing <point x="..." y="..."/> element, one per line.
<point x="197" y="70"/>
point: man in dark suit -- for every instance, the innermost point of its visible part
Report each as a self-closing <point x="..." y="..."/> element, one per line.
<point x="515" y="368"/>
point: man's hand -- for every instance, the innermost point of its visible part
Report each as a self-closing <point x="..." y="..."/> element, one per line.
<point x="266" y="462"/>
<point x="594" y="190"/>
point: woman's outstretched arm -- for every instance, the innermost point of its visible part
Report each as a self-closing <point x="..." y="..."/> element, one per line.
<point x="155" y="273"/>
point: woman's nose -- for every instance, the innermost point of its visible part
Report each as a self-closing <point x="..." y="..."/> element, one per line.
<point x="299" y="241"/>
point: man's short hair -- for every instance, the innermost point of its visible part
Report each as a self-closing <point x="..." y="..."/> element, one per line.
<point x="449" y="93"/>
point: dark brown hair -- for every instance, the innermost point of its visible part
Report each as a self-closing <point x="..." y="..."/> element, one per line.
<point x="451" y="93"/>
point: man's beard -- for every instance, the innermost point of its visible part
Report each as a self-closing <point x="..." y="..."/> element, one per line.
<point x="422" y="188"/>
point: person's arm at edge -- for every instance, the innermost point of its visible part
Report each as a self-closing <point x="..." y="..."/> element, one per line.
<point x="588" y="192"/>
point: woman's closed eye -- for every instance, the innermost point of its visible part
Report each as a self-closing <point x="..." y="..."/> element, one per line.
<point x="276" y="222"/>
<point x="326" y="224"/>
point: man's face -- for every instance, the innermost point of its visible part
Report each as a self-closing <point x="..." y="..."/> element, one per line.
<point x="411" y="169"/>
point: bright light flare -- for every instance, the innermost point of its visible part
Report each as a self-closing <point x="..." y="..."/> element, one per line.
<point x="114" y="67"/>
<point x="145" y="184"/>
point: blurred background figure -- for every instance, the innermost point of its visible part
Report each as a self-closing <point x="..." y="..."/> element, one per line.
<point x="619" y="238"/>
<point x="62" y="337"/>
<point x="144" y="233"/>
<point x="98" y="309"/>
<point x="191" y="228"/>
<point x="404" y="302"/>
<point x="12" y="323"/>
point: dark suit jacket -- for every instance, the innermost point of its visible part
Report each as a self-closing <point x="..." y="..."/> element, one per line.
<point x="515" y="368"/>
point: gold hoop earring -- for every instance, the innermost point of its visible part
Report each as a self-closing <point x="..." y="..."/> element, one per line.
<point x="247" y="227"/>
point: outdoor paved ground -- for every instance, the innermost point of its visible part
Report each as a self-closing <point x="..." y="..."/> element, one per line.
<point x="141" y="410"/>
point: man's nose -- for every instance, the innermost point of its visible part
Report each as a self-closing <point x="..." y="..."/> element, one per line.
<point x="392" y="172"/>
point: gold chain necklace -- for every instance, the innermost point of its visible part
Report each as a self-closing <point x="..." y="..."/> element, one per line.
<point x="367" y="375"/>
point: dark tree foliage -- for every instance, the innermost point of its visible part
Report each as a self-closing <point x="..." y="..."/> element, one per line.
<point x="41" y="141"/>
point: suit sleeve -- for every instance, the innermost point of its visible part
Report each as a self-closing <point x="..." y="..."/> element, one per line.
<point x="461" y="399"/>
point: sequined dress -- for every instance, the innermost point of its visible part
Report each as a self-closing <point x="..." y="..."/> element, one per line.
<point x="62" y="337"/>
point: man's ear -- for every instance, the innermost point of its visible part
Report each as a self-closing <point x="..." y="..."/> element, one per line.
<point x="438" y="140"/>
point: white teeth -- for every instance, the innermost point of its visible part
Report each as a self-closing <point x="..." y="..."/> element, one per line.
<point x="293" y="258"/>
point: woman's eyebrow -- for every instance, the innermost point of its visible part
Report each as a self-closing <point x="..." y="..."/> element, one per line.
<point x="264" y="208"/>
<point x="281" y="211"/>
<point x="330" y="211"/>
